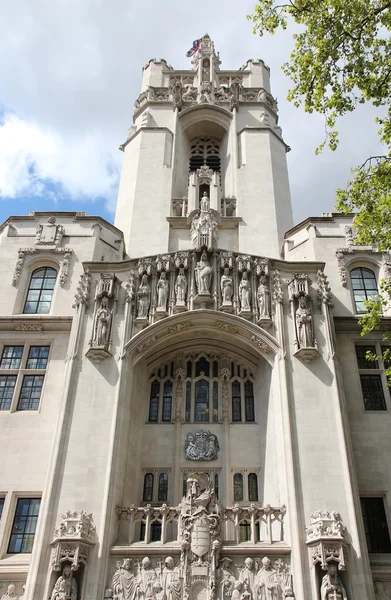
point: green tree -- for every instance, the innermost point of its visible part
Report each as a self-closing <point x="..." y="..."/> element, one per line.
<point x="342" y="58"/>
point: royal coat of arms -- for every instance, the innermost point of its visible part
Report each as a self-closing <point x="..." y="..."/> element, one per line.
<point x="202" y="445"/>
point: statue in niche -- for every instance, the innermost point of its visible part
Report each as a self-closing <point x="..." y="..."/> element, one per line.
<point x="102" y="324"/>
<point x="267" y="586"/>
<point x="146" y="579"/>
<point x="226" y="287"/>
<point x="171" y="582"/>
<point x="304" y="324"/>
<point x="227" y="579"/>
<point x="65" y="587"/>
<point x="248" y="573"/>
<point x="263" y="295"/>
<point x="332" y="587"/>
<point x="162" y="292"/>
<point x="245" y="292"/>
<point x="380" y="592"/>
<point x="203" y="274"/>
<point x="10" y="593"/>
<point x="205" y="202"/>
<point x="143" y="298"/>
<point x="124" y="582"/>
<point x="181" y="287"/>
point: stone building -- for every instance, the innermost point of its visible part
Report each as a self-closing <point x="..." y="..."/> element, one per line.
<point x="186" y="407"/>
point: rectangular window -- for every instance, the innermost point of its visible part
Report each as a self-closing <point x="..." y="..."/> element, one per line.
<point x="362" y="361"/>
<point x="11" y="357"/>
<point x="236" y="401"/>
<point x="372" y="389"/>
<point x="38" y="357"/>
<point x="201" y="401"/>
<point x="371" y="374"/>
<point x="249" y="401"/>
<point x="24" y="525"/>
<point x="375" y="525"/>
<point x="30" y="393"/>
<point x="7" y="386"/>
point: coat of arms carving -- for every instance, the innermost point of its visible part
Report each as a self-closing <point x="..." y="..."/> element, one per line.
<point x="202" y="445"/>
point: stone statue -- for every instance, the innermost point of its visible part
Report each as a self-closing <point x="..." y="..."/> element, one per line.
<point x="227" y="579"/>
<point x="181" y="287"/>
<point x="108" y="594"/>
<point x="65" y="587"/>
<point x="157" y="590"/>
<point x="380" y="592"/>
<point x="102" y="324"/>
<point x="143" y="298"/>
<point x="146" y="579"/>
<point x="304" y="324"/>
<point x="245" y="293"/>
<point x="205" y="202"/>
<point x="11" y="593"/>
<point x="190" y="94"/>
<point x="205" y="94"/>
<point x="248" y="573"/>
<point x="125" y="585"/>
<point x="263" y="295"/>
<point x="203" y="274"/>
<point x="246" y="593"/>
<point x="332" y="587"/>
<point x="266" y="583"/>
<point x="171" y="582"/>
<point x="226" y="287"/>
<point x="236" y="594"/>
<point x="162" y="292"/>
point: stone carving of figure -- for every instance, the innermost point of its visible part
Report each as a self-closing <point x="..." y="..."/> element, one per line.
<point x="246" y="593"/>
<point x="266" y="583"/>
<point x="237" y="590"/>
<point x="102" y="324"/>
<point x="143" y="298"/>
<point x="222" y="95"/>
<point x="304" y="324"/>
<point x="147" y="578"/>
<point x="203" y="273"/>
<point x="65" y="587"/>
<point x="190" y="94"/>
<point x="108" y="594"/>
<point x="158" y="592"/>
<point x="380" y="592"/>
<point x="226" y="287"/>
<point x="332" y="587"/>
<point x="205" y="202"/>
<point x="181" y="287"/>
<point x="227" y="579"/>
<point x="245" y="292"/>
<point x="11" y="593"/>
<point x="205" y="94"/>
<point x="247" y="574"/>
<point x="162" y="292"/>
<point x="124" y="582"/>
<point x="171" y="582"/>
<point x="263" y="294"/>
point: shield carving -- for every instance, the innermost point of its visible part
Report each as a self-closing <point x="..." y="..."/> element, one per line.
<point x="200" y="537"/>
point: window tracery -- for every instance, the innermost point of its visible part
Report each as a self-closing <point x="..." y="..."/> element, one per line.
<point x="204" y="151"/>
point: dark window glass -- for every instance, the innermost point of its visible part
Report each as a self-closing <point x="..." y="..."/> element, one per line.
<point x="244" y="531"/>
<point x="7" y="386"/>
<point x="148" y="487"/>
<point x="202" y="366"/>
<point x="252" y="487"/>
<point x="188" y="402"/>
<point x="156" y="531"/>
<point x="11" y="357"/>
<point x="1" y="506"/>
<point x="215" y="402"/>
<point x="201" y="406"/>
<point x="188" y="369"/>
<point x="387" y="357"/>
<point x="30" y="394"/>
<point x="375" y="525"/>
<point x="154" y="401"/>
<point x="373" y="393"/>
<point x="238" y="487"/>
<point x="236" y="401"/>
<point x="362" y="361"/>
<point x="249" y="401"/>
<point x="24" y="525"/>
<point x="215" y="368"/>
<point x="40" y="292"/>
<point x="184" y="484"/>
<point x="216" y="485"/>
<point x="38" y="357"/>
<point x="162" y="493"/>
<point x="167" y="401"/>
<point x="364" y="287"/>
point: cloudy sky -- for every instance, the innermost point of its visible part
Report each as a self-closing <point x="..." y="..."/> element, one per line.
<point x="70" y="71"/>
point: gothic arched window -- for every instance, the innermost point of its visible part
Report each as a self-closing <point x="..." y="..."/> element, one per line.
<point x="154" y="401"/>
<point x="167" y="401"/>
<point x="252" y="487"/>
<point x="204" y="151"/>
<point x="364" y="287"/>
<point x="238" y="487"/>
<point x="236" y="401"/>
<point x="40" y="291"/>
<point x="148" y="487"/>
<point x="249" y="401"/>
<point x="162" y="493"/>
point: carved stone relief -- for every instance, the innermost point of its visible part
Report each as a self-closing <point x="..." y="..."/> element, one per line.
<point x="38" y="249"/>
<point x="332" y="587"/>
<point x="226" y="285"/>
<point x="380" y="591"/>
<point x="324" y="292"/>
<point x="72" y="540"/>
<point x="49" y="234"/>
<point x="10" y="590"/>
<point x="300" y="298"/>
<point x="106" y="297"/>
<point x="143" y="299"/>
<point x="82" y="295"/>
<point x="203" y="275"/>
<point x="327" y="538"/>
<point x="203" y="445"/>
<point x="65" y="587"/>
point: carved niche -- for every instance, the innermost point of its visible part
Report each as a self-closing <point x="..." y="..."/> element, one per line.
<point x="106" y="296"/>
<point x="203" y="445"/>
<point x="300" y="298"/>
<point x="204" y="222"/>
<point x="327" y="539"/>
<point x="263" y="292"/>
<point x="73" y="540"/>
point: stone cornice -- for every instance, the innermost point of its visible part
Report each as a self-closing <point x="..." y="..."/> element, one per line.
<point x="144" y="129"/>
<point x="35" y="323"/>
<point x="263" y="129"/>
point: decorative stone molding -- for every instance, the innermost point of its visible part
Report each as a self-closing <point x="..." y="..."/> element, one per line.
<point x="327" y="539"/>
<point x="73" y="540"/>
<point x="28" y="327"/>
<point x="183" y="326"/>
<point x="49" y="234"/>
<point x="324" y="292"/>
<point x="343" y="275"/>
<point x="305" y="344"/>
<point x="23" y="252"/>
<point x="130" y="288"/>
<point x="65" y="267"/>
<point x="82" y="295"/>
<point x="386" y="264"/>
<point x="202" y="445"/>
<point x="259" y="343"/>
<point x="147" y="344"/>
<point x="278" y="295"/>
<point x="106" y="297"/>
<point x="226" y="327"/>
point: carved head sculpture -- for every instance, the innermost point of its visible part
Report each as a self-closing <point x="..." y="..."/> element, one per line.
<point x="169" y="562"/>
<point x="332" y="569"/>
<point x="146" y="563"/>
<point x="249" y="563"/>
<point x="52" y="220"/>
<point x="127" y="564"/>
<point x="238" y="585"/>
<point x="67" y="573"/>
<point x="266" y="562"/>
<point x="244" y="276"/>
<point x="226" y="271"/>
<point x="302" y="302"/>
<point x="11" y="590"/>
<point x="163" y="275"/>
<point x="204" y="256"/>
<point x="157" y="586"/>
<point x="108" y="593"/>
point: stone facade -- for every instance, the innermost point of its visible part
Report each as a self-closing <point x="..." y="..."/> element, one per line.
<point x="197" y="428"/>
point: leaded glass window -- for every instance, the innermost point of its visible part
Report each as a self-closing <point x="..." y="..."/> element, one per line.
<point x="167" y="401"/>
<point x="7" y="387"/>
<point x="24" y="526"/>
<point x="236" y="401"/>
<point x="249" y="401"/>
<point x="201" y="403"/>
<point x="154" y="401"/>
<point x="30" y="393"/>
<point x="40" y="291"/>
<point x="364" y="287"/>
<point x="238" y="487"/>
<point x="375" y="525"/>
<point x="148" y="487"/>
<point x="162" y="494"/>
<point x="253" y="487"/>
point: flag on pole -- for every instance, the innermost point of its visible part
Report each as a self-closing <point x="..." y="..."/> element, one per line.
<point x="194" y="48"/>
